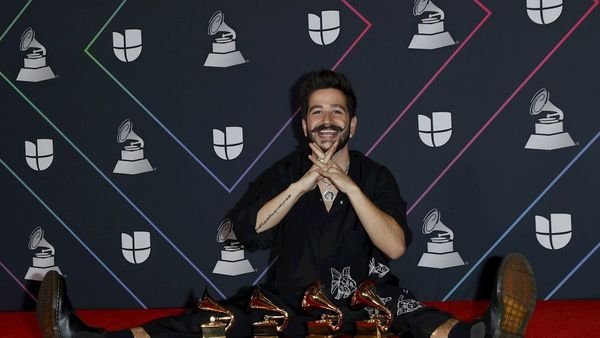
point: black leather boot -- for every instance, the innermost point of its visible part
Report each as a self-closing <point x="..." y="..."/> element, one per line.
<point x="513" y="300"/>
<point x="55" y="314"/>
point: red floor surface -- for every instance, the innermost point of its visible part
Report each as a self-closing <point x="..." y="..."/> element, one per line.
<point x="573" y="319"/>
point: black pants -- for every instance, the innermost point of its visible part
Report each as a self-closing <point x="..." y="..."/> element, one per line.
<point x="411" y="318"/>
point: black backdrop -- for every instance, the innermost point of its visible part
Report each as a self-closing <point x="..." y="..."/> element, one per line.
<point x="487" y="187"/>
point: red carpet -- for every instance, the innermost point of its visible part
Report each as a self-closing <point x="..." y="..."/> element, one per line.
<point x="573" y="319"/>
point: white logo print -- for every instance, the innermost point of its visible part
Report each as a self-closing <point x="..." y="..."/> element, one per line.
<point x="132" y="160"/>
<point x="554" y="234"/>
<point x="127" y="47"/>
<point x="549" y="134"/>
<point x="379" y="269"/>
<point x="544" y="12"/>
<point x="342" y="283"/>
<point x="136" y="249"/>
<point x="440" y="249"/>
<point x="407" y="305"/>
<point x="435" y="131"/>
<point x="43" y="260"/>
<point x="431" y="33"/>
<point x="34" y="65"/>
<point x="229" y="144"/>
<point x="39" y="155"/>
<point x="232" y="262"/>
<point x="224" y="53"/>
<point x="325" y="29"/>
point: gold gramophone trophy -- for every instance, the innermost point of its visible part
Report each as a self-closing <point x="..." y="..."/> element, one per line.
<point x="268" y="327"/>
<point x="218" y="325"/>
<point x="329" y="324"/>
<point x="379" y="323"/>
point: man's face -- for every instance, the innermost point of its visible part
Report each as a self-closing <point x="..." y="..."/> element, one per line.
<point x="328" y="119"/>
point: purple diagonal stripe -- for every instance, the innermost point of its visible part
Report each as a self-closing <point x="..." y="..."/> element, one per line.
<point x="501" y="108"/>
<point x="433" y="78"/>
<point x="18" y="281"/>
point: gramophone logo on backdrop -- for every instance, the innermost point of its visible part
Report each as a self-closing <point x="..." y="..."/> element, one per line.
<point x="553" y="234"/>
<point x="34" y="65"/>
<point x="127" y="47"/>
<point x="549" y="134"/>
<point x="435" y="131"/>
<point x="440" y="249"/>
<point x="136" y="249"/>
<point x="229" y="144"/>
<point x="39" y="155"/>
<point x="232" y="262"/>
<point x="132" y="160"/>
<point x="324" y="30"/>
<point x="224" y="53"/>
<point x="431" y="34"/>
<point x="544" y="12"/>
<point x="43" y="259"/>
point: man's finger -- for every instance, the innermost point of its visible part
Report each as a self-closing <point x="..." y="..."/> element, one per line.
<point x="320" y="163"/>
<point x="330" y="151"/>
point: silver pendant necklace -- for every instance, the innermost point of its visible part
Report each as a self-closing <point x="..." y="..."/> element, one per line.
<point x="328" y="194"/>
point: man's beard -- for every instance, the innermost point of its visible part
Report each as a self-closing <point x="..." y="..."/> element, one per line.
<point x="343" y="132"/>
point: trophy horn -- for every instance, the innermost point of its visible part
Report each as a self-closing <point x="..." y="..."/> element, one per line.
<point x="207" y="303"/>
<point x="314" y="298"/>
<point x="258" y="301"/>
<point x="365" y="295"/>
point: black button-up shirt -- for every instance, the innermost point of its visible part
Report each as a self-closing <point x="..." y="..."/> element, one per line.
<point x="313" y="244"/>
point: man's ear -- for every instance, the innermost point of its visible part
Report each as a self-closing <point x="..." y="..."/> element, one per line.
<point x="353" y="124"/>
<point x="304" y="127"/>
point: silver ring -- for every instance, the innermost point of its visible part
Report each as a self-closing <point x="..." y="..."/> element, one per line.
<point x="322" y="160"/>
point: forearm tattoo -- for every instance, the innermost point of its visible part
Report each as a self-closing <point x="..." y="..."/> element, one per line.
<point x="274" y="212"/>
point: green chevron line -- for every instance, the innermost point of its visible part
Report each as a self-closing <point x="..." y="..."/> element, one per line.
<point x="15" y="19"/>
<point x="103" y="28"/>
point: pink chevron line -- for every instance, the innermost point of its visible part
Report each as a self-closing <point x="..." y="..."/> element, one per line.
<point x="437" y="73"/>
<point x="360" y="36"/>
<point x="18" y="281"/>
<point x="501" y="108"/>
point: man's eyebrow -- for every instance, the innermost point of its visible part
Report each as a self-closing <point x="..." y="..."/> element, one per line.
<point x="334" y="105"/>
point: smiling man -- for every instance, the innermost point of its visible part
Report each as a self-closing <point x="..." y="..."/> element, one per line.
<point x="327" y="214"/>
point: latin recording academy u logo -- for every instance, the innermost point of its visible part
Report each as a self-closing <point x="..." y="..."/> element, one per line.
<point x="34" y="65"/>
<point x="544" y="12"/>
<point x="127" y="47"/>
<point x="43" y="259"/>
<point x="437" y="130"/>
<point x="549" y="134"/>
<point x="39" y="155"/>
<point x="232" y="262"/>
<point x="132" y="160"/>
<point x="431" y="33"/>
<point x="136" y="249"/>
<point x="325" y="29"/>
<point x="440" y="249"/>
<point x="555" y="233"/>
<point x="224" y="52"/>
<point x="228" y="145"/>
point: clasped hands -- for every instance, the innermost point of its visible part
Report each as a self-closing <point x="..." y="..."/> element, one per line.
<point x="324" y="167"/>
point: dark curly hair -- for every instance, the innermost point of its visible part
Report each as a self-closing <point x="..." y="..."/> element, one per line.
<point x="325" y="79"/>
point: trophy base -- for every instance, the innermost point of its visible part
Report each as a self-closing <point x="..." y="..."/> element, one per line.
<point x="441" y="261"/>
<point x="37" y="274"/>
<point x="433" y="41"/>
<point x="264" y="330"/>
<point x="233" y="268"/>
<point x="213" y="331"/>
<point x="224" y="60"/>
<point x="132" y="167"/>
<point x="321" y="330"/>
<point x="549" y="142"/>
<point x="370" y="329"/>
<point x="35" y="74"/>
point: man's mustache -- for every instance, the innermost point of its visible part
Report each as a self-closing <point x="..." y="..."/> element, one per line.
<point x="327" y="127"/>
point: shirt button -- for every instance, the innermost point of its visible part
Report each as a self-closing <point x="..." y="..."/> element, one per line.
<point x="342" y="202"/>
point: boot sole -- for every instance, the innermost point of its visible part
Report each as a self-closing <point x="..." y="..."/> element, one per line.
<point x="47" y="306"/>
<point x="516" y="294"/>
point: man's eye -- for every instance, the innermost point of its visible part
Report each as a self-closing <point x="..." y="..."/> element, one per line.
<point x="314" y="112"/>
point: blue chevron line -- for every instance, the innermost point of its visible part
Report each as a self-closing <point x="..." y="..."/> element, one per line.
<point x="570" y="274"/>
<point x="68" y="228"/>
<point x="514" y="224"/>
<point x="113" y="185"/>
